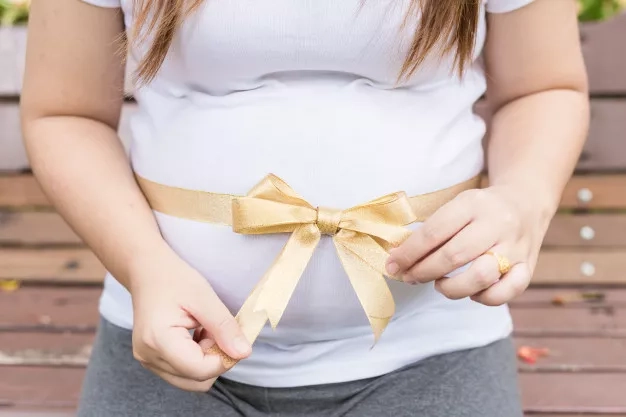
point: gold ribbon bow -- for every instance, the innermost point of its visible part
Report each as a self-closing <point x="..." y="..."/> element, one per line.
<point x="362" y="236"/>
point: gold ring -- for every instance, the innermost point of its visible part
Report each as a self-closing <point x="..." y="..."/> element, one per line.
<point x="504" y="265"/>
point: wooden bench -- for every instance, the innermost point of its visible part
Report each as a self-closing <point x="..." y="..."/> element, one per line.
<point x="576" y="307"/>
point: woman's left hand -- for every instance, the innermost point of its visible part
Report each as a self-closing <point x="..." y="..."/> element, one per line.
<point x="501" y="219"/>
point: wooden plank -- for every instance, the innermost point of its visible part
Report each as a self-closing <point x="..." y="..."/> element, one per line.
<point x="587" y="230"/>
<point x="51" y="265"/>
<point x="544" y="297"/>
<point x="44" y="349"/>
<point x="57" y="309"/>
<point x="582" y="354"/>
<point x="571" y="322"/>
<point x="573" y="354"/>
<point x="12" y="153"/>
<point x="595" y="192"/>
<point x="47" y="387"/>
<point x="574" y="393"/>
<point x="597" y="230"/>
<point x="542" y="393"/>
<point x="35" y="228"/>
<point x="81" y="266"/>
<point x="605" y="148"/>
<point x="51" y="309"/>
<point x="605" y="55"/>
<point x="604" y="192"/>
<point x="581" y="267"/>
<point x="21" y="191"/>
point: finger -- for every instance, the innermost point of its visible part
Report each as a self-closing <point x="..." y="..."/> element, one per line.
<point x="472" y="241"/>
<point x="482" y="274"/>
<point x="186" y="357"/>
<point x="510" y="286"/>
<point x="220" y="324"/>
<point x="448" y="220"/>
<point x="183" y="383"/>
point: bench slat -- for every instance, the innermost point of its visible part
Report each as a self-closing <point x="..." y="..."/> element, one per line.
<point x="50" y="265"/>
<point x="58" y="309"/>
<point x="81" y="266"/>
<point x="572" y="354"/>
<point x="48" y="228"/>
<point x="606" y="191"/>
<point x="542" y="393"/>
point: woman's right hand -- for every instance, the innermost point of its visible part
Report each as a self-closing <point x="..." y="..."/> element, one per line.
<point x="170" y="299"/>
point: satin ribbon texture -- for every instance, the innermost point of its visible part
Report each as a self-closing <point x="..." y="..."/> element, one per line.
<point x="362" y="236"/>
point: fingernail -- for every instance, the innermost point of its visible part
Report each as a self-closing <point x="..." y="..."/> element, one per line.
<point x="393" y="268"/>
<point x="241" y="345"/>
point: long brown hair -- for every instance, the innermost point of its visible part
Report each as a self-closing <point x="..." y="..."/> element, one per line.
<point x="447" y="25"/>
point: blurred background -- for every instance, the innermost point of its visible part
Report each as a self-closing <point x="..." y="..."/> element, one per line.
<point x="570" y="326"/>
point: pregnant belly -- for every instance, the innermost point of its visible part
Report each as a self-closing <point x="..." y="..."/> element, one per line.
<point x="323" y="306"/>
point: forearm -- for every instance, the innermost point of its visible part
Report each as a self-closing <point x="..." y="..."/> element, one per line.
<point x="535" y="143"/>
<point x="82" y="168"/>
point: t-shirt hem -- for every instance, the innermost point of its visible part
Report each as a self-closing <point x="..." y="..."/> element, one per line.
<point x="320" y="373"/>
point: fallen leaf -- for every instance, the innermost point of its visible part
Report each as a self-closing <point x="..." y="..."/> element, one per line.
<point x="9" y="285"/>
<point x="596" y="297"/>
<point x="562" y="299"/>
<point x="530" y="355"/>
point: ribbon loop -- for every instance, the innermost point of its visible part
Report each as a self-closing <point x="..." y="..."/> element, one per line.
<point x="362" y="235"/>
<point x="328" y="220"/>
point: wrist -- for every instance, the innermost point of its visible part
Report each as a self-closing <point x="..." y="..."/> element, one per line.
<point x="141" y="266"/>
<point x="532" y="197"/>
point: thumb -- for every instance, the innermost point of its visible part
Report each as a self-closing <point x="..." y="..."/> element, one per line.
<point x="213" y="315"/>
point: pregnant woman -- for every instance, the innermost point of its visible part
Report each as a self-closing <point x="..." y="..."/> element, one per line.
<point x="298" y="227"/>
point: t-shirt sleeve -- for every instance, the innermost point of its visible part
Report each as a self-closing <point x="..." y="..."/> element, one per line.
<point x="104" y="3"/>
<point x="503" y="6"/>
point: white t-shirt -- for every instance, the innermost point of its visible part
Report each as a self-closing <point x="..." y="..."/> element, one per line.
<point x="305" y="89"/>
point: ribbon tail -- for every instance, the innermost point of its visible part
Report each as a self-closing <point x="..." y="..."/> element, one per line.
<point x="269" y="298"/>
<point x="281" y="279"/>
<point x="368" y="283"/>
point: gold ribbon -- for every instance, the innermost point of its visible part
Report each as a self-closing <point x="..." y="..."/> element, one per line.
<point x="362" y="236"/>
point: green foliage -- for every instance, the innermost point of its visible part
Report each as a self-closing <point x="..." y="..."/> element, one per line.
<point x="599" y="9"/>
<point x="13" y="12"/>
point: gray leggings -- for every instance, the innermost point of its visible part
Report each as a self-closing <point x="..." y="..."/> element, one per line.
<point x="479" y="382"/>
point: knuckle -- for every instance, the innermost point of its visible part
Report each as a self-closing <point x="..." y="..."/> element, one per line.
<point x="431" y="234"/>
<point x="492" y="301"/>
<point x="201" y="375"/>
<point x="206" y="385"/>
<point x="477" y="196"/>
<point x="483" y="277"/>
<point x="511" y="220"/>
<point x="139" y="357"/>
<point x="414" y="275"/>
<point x="518" y="287"/>
<point x="148" y="340"/>
<point x="225" y="323"/>
<point x="454" y="256"/>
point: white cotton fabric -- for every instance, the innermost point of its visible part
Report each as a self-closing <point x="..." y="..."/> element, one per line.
<point x="306" y="89"/>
